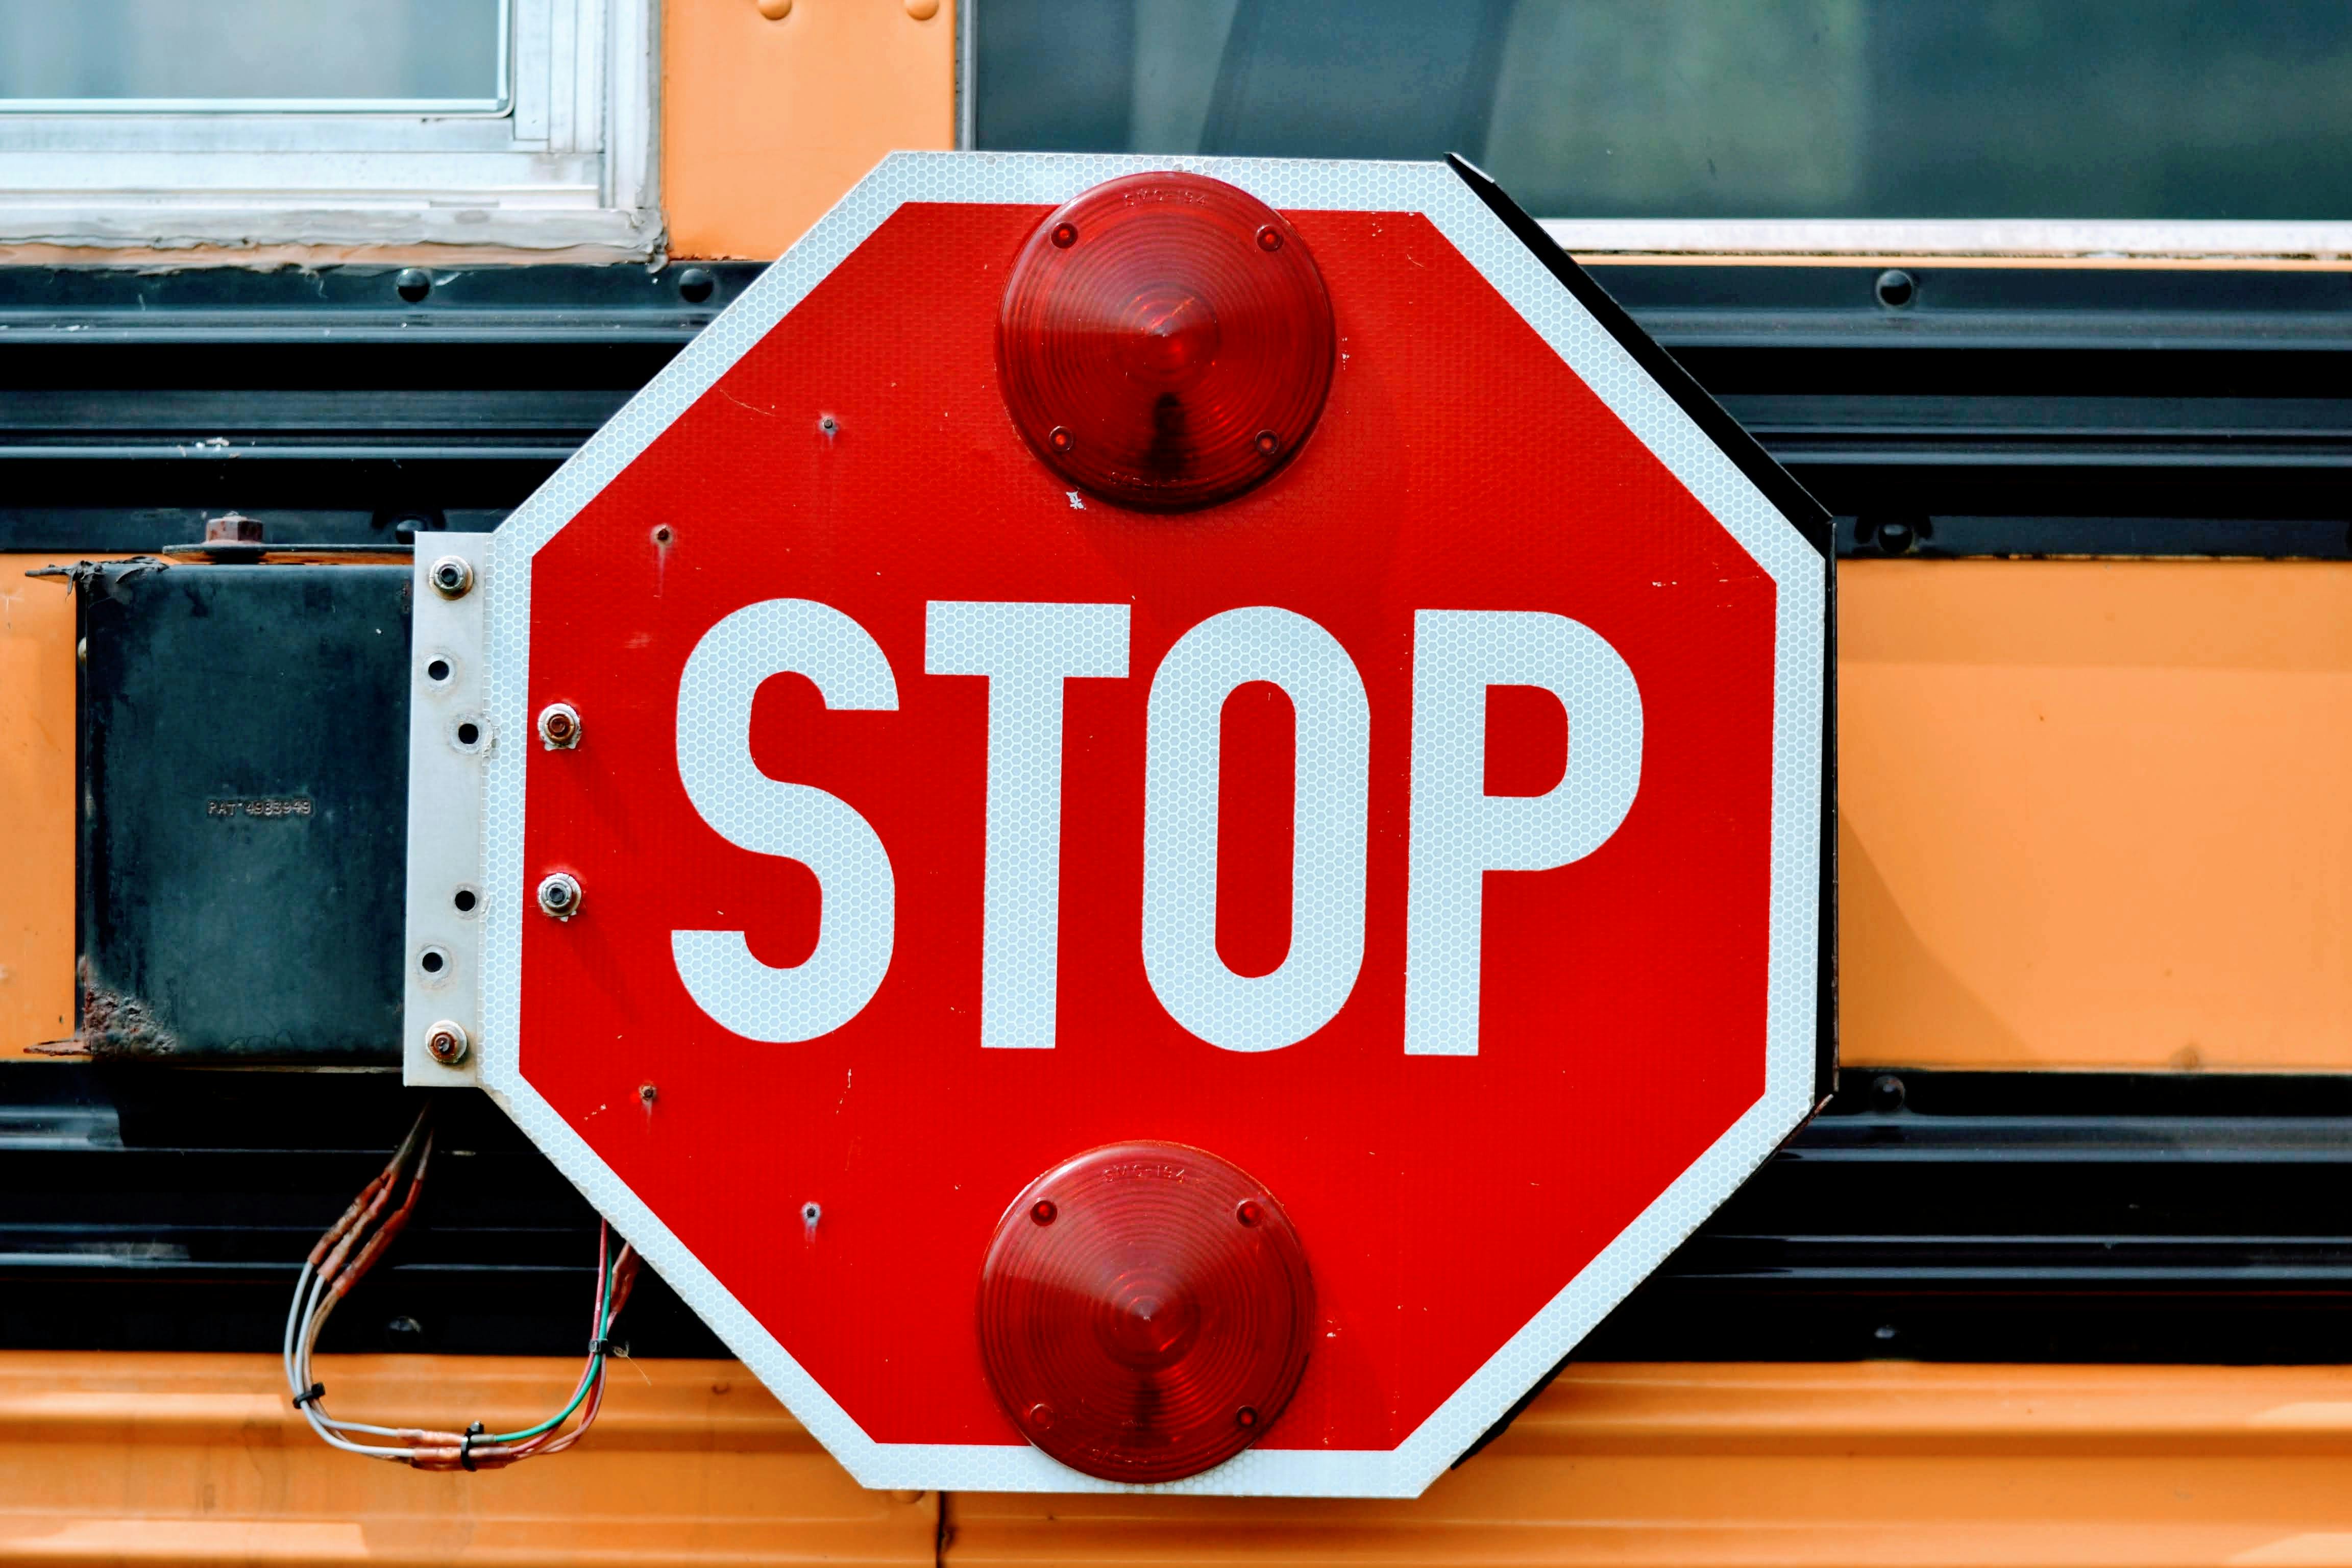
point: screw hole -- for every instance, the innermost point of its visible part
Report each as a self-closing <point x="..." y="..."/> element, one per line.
<point x="438" y="671"/>
<point x="432" y="960"/>
<point x="811" y="1214"/>
<point x="829" y="425"/>
<point x="467" y="899"/>
<point x="663" y="535"/>
<point x="469" y="734"/>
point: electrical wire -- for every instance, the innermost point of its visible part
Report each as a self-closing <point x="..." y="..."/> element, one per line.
<point x="345" y="1254"/>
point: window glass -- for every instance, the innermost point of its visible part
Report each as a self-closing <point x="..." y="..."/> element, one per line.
<point x="1887" y="108"/>
<point x="219" y="54"/>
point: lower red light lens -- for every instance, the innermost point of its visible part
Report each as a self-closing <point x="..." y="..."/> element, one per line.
<point x="1158" y="1325"/>
<point x="1165" y="340"/>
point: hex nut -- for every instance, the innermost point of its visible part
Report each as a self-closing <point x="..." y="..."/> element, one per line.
<point x="451" y="577"/>
<point x="558" y="726"/>
<point x="558" y="896"/>
<point x="447" y="1043"/>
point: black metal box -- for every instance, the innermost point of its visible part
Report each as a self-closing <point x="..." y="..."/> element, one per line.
<point x="243" y="819"/>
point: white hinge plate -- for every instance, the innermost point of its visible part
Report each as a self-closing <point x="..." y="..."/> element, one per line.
<point x="449" y="738"/>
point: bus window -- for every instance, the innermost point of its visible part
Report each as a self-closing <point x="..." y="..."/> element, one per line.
<point x="2152" y="109"/>
<point x="447" y="56"/>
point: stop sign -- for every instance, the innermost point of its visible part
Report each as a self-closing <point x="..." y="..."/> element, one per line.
<point x="1217" y="787"/>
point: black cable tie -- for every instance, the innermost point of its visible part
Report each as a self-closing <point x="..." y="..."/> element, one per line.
<point x="310" y="1395"/>
<point x="466" y="1448"/>
<point x="606" y="1346"/>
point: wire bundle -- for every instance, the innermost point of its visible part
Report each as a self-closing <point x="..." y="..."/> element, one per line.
<point x="342" y="1258"/>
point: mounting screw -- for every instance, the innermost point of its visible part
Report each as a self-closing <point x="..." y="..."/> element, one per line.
<point x="559" y="895"/>
<point x="447" y="1043"/>
<point x="233" y="528"/>
<point x="1886" y="1093"/>
<point x="695" y="285"/>
<point x="451" y="577"/>
<point x="413" y="283"/>
<point x="1897" y="288"/>
<point x="558" y="726"/>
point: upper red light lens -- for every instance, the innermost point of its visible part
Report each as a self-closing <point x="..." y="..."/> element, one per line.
<point x="1165" y="340"/>
<point x="1157" y="1324"/>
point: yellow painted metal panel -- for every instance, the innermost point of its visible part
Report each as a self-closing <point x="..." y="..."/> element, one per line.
<point x="2094" y="814"/>
<point x="1857" y="1464"/>
<point x="766" y="122"/>
<point x="198" y="1459"/>
<point x="37" y="806"/>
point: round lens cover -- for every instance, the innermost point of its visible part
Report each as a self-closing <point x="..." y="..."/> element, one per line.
<point x="1165" y="340"/>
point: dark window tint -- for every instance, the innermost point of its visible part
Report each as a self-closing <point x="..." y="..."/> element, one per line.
<point x="2110" y="108"/>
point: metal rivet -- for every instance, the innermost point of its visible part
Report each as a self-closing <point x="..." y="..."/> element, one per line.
<point x="1886" y="1093"/>
<point x="413" y="283"/>
<point x="811" y="1213"/>
<point x="558" y="726"/>
<point x="695" y="285"/>
<point x="664" y="534"/>
<point x="922" y="10"/>
<point x="647" y="1094"/>
<point x="827" y="424"/>
<point x="558" y="896"/>
<point x="1897" y="288"/>
<point x="447" y="1043"/>
<point x="451" y="577"/>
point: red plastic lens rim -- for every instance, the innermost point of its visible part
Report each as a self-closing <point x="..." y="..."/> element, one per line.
<point x="1165" y="341"/>
<point x="1157" y="1323"/>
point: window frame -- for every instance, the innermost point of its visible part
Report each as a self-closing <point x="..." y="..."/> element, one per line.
<point x="568" y="164"/>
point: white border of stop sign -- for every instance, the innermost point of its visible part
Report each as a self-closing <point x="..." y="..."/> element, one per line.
<point x="1606" y="365"/>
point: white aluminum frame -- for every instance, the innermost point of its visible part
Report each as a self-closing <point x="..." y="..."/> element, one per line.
<point x="567" y="164"/>
<point x="2050" y="238"/>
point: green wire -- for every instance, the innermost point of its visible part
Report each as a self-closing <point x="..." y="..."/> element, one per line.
<point x="595" y="1364"/>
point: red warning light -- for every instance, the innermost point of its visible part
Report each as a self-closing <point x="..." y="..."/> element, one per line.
<point x="1158" y="1325"/>
<point x="1165" y="340"/>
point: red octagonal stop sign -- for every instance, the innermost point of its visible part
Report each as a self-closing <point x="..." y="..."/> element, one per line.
<point x="1409" y="835"/>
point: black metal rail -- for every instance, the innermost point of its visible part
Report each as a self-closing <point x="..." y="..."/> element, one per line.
<point x="1999" y="411"/>
<point x="1962" y="1216"/>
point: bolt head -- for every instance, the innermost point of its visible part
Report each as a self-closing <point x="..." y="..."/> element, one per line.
<point x="558" y="896"/>
<point x="451" y="577"/>
<point x="447" y="1043"/>
<point x="233" y="528"/>
<point x="558" y="726"/>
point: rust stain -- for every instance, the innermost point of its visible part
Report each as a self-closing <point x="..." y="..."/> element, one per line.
<point x="116" y="1024"/>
